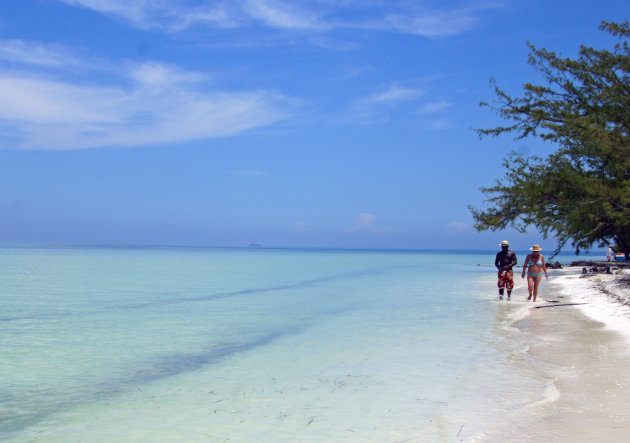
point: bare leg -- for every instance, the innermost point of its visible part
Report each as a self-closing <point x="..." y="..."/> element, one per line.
<point x="530" y="287"/>
<point x="536" y="283"/>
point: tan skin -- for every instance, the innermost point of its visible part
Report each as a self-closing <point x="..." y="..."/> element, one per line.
<point x="535" y="267"/>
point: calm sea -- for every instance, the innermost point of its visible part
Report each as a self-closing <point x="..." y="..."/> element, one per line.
<point x="194" y="344"/>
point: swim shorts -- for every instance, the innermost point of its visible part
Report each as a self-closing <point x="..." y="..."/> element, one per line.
<point x="506" y="279"/>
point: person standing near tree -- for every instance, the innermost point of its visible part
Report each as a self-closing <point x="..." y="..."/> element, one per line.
<point x="504" y="262"/>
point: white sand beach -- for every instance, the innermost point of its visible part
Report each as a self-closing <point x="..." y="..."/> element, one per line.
<point x="578" y="336"/>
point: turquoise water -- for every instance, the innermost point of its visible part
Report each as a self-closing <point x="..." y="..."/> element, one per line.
<point x="176" y="344"/>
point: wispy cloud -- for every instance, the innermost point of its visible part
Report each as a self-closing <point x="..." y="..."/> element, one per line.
<point x="433" y="107"/>
<point x="282" y="15"/>
<point x="152" y="74"/>
<point x="418" y="18"/>
<point x="142" y="104"/>
<point x="167" y="15"/>
<point x="374" y="107"/>
<point x="136" y="12"/>
<point x="34" y="53"/>
<point x="432" y="23"/>
<point x="394" y="94"/>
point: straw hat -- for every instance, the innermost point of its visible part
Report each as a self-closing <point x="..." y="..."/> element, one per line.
<point x="504" y="243"/>
<point x="535" y="248"/>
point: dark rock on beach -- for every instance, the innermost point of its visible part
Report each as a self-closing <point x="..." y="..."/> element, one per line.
<point x="591" y="268"/>
<point x="554" y="265"/>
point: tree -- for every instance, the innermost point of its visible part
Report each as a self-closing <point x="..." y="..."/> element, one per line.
<point x="581" y="192"/>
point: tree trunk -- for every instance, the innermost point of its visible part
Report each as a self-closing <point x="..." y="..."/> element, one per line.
<point x="624" y="244"/>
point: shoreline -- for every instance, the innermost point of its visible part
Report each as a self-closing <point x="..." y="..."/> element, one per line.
<point x="579" y="344"/>
<point x="600" y="296"/>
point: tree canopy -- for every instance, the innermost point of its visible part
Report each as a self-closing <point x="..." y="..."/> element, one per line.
<point x="581" y="192"/>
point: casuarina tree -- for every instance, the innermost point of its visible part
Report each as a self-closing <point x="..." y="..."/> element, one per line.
<point x="579" y="194"/>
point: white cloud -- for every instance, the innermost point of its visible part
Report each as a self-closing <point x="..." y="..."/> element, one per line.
<point x="164" y="105"/>
<point x="136" y="12"/>
<point x="394" y="94"/>
<point x="276" y="14"/>
<point x="154" y="74"/>
<point x="36" y="101"/>
<point x="373" y="108"/>
<point x="432" y="23"/>
<point x="168" y="15"/>
<point x="432" y="107"/>
<point x="364" y="222"/>
<point x="219" y="16"/>
<point x="402" y="16"/>
<point x="35" y="53"/>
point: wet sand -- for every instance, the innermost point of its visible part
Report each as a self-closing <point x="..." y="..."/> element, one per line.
<point x="579" y="339"/>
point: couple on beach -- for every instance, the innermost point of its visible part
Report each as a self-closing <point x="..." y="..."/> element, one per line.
<point x="534" y="264"/>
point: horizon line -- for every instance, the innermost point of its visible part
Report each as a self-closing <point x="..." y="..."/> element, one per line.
<point x="255" y="246"/>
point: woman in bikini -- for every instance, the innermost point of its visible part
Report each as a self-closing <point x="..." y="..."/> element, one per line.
<point x="535" y="266"/>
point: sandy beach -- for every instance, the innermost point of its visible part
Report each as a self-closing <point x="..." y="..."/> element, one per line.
<point x="579" y="338"/>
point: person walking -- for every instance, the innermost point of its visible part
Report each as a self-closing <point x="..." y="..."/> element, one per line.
<point x="536" y="267"/>
<point x="504" y="262"/>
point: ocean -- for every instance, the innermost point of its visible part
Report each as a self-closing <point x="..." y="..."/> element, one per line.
<point x="102" y="344"/>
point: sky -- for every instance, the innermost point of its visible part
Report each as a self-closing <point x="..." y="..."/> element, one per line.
<point x="313" y="123"/>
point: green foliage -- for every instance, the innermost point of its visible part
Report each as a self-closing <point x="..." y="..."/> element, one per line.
<point x="581" y="192"/>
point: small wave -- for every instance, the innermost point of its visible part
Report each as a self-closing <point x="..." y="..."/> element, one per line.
<point x="550" y="394"/>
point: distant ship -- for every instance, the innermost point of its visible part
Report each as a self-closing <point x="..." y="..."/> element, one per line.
<point x="255" y="245"/>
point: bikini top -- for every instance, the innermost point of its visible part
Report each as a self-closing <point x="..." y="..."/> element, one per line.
<point x="538" y="262"/>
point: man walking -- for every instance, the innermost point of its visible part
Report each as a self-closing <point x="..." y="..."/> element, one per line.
<point x="505" y="261"/>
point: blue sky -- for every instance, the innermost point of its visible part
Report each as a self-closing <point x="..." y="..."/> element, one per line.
<point x="316" y="123"/>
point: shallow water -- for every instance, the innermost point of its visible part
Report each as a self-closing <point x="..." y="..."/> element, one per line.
<point x="185" y="344"/>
